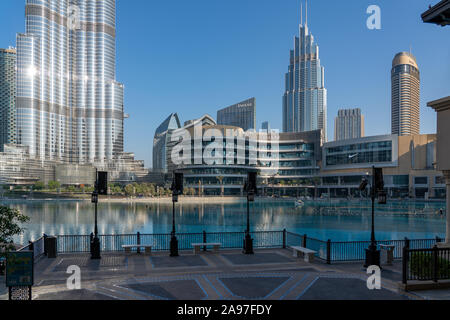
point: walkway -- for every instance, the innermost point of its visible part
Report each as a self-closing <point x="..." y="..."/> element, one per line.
<point x="269" y="274"/>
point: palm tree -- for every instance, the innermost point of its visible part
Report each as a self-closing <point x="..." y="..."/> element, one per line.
<point x="220" y="178"/>
<point x="316" y="182"/>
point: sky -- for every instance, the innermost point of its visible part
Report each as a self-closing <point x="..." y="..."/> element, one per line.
<point x="195" y="57"/>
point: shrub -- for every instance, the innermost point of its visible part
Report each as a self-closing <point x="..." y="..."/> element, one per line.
<point x="421" y="265"/>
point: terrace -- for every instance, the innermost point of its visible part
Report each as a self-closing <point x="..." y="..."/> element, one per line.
<point x="272" y="273"/>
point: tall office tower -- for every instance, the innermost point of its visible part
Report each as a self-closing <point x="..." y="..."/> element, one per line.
<point x="69" y="105"/>
<point x="242" y="115"/>
<point x="7" y="96"/>
<point x="265" y="126"/>
<point x="349" y="124"/>
<point x="305" y="97"/>
<point x="405" y="77"/>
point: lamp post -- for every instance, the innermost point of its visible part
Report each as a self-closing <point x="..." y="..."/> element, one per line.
<point x="248" y="241"/>
<point x="173" y="238"/>
<point x="376" y="189"/>
<point x="101" y="187"/>
<point x="95" y="244"/>
<point x="177" y="189"/>
<point x="251" y="189"/>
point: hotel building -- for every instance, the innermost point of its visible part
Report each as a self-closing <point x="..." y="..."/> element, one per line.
<point x="242" y="115"/>
<point x="305" y="96"/>
<point x="405" y="77"/>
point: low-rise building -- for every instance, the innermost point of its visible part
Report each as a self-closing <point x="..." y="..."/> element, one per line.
<point x="408" y="164"/>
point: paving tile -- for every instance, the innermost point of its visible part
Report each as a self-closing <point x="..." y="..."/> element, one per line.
<point x="178" y="262"/>
<point x="171" y="290"/>
<point x="82" y="294"/>
<point x="325" y="288"/>
<point x="253" y="287"/>
<point x="259" y="258"/>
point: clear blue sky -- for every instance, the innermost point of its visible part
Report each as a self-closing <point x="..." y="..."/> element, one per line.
<point x="193" y="57"/>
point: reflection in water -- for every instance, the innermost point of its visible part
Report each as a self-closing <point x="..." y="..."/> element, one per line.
<point x="344" y="221"/>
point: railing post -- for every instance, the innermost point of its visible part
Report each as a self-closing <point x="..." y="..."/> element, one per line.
<point x="45" y="244"/>
<point x="138" y="242"/>
<point x="407" y="242"/>
<point x="329" y="251"/>
<point x="91" y="238"/>
<point x="284" y="238"/>
<point x="304" y="240"/>
<point x="435" y="264"/>
<point x="204" y="240"/>
<point x="405" y="259"/>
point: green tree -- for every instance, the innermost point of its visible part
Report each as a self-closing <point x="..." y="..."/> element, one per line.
<point x="39" y="186"/>
<point x="130" y="190"/>
<point x="54" y="185"/>
<point x="10" y="226"/>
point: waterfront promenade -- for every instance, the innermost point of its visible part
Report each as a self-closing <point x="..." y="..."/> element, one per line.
<point x="271" y="274"/>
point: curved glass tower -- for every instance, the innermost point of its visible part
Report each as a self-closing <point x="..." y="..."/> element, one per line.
<point x="405" y="77"/>
<point x="305" y="97"/>
<point x="69" y="105"/>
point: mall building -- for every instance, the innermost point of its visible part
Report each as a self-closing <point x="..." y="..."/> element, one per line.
<point x="408" y="164"/>
<point x="287" y="163"/>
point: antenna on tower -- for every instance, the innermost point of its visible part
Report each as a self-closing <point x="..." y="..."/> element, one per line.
<point x="306" y="18"/>
<point x="301" y="12"/>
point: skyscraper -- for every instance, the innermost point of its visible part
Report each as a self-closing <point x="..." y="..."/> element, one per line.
<point x="242" y="115"/>
<point x="349" y="124"/>
<point x="161" y="140"/>
<point x="405" y="77"/>
<point x="305" y="97"/>
<point x="7" y="96"/>
<point x="69" y="105"/>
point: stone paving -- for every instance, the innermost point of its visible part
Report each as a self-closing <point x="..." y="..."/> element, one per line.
<point x="271" y="274"/>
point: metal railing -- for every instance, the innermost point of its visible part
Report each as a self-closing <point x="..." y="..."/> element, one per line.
<point x="426" y="264"/>
<point x="328" y="251"/>
<point x="38" y="248"/>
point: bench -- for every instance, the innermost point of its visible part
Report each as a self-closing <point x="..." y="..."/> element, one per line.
<point x="306" y="253"/>
<point x="198" y="246"/>
<point x="128" y="247"/>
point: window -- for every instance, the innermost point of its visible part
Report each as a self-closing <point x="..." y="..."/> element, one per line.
<point x="421" y="180"/>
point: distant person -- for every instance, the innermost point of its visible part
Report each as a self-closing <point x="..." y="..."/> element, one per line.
<point x="441" y="212"/>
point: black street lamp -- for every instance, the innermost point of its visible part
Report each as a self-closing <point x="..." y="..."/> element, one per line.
<point x="376" y="189"/>
<point x="101" y="187"/>
<point x="95" y="244"/>
<point x="177" y="189"/>
<point x="252" y="190"/>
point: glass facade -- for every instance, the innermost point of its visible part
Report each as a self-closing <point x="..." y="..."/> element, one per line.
<point x="161" y="140"/>
<point x="7" y="97"/>
<point x="241" y="115"/>
<point x="69" y="105"/>
<point x="305" y="97"/>
<point x="360" y="153"/>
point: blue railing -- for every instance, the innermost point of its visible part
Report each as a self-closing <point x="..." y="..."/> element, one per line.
<point x="328" y="251"/>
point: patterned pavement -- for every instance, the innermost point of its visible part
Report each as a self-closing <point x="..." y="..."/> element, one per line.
<point x="271" y="274"/>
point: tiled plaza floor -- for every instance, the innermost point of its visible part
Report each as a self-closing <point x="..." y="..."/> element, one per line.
<point x="271" y="274"/>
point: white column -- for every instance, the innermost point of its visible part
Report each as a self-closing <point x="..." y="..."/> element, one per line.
<point x="447" y="182"/>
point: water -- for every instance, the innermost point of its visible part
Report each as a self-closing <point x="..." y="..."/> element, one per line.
<point x="342" y="221"/>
